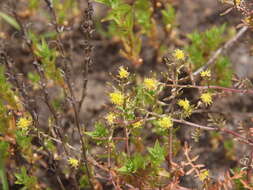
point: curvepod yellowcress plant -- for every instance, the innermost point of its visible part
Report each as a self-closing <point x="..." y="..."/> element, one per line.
<point x="206" y="98"/>
<point x="73" y="162"/>
<point x="24" y="123"/>
<point x="117" y="98"/>
<point x="123" y="73"/>
<point x="179" y="54"/>
<point x="150" y="83"/>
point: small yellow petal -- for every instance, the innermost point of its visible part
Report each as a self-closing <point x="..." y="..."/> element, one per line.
<point x="179" y="54"/>
<point x="117" y="98"/>
<point x="185" y="104"/>
<point x="138" y="124"/>
<point x="150" y="83"/>
<point x="73" y="162"/>
<point x="123" y="73"/>
<point x="24" y="123"/>
<point x="206" y="98"/>
<point x="111" y="118"/>
<point x="205" y="74"/>
<point x="204" y="174"/>
<point x="165" y="122"/>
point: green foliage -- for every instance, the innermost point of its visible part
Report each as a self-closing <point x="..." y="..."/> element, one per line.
<point x="49" y="145"/>
<point x="110" y="3"/>
<point x="202" y="44"/>
<point x="229" y="147"/>
<point x="143" y="14"/>
<point x="7" y="98"/>
<point x="3" y="118"/>
<point x="24" y="142"/>
<point x="133" y="164"/>
<point x="6" y="93"/>
<point x="10" y="20"/>
<point x="169" y="16"/>
<point x="34" y="78"/>
<point x="122" y="16"/>
<point x="63" y="8"/>
<point x="201" y="48"/>
<point x="33" y="4"/>
<point x="28" y="182"/>
<point x="157" y="154"/>
<point x="100" y="131"/>
<point x="224" y="72"/>
<point x="4" y="146"/>
<point x="138" y="108"/>
<point x="47" y="56"/>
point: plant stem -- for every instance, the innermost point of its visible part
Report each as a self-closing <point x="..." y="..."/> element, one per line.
<point x="232" y="90"/>
<point x="3" y="177"/>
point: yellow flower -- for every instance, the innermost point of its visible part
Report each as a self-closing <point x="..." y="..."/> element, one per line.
<point x="117" y="98"/>
<point x="205" y="74"/>
<point x="179" y="54"/>
<point x="165" y="122"/>
<point x="73" y="162"/>
<point x="111" y="118"/>
<point x="150" y="83"/>
<point x="203" y="175"/>
<point x="138" y="124"/>
<point x="237" y="2"/>
<point x="247" y="19"/>
<point x="123" y="73"/>
<point x="185" y="104"/>
<point x="206" y="98"/>
<point x="24" y="123"/>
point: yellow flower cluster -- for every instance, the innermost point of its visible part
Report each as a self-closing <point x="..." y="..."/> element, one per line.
<point x="111" y="118"/>
<point x="203" y="175"/>
<point x="185" y="104"/>
<point x="165" y="122"/>
<point x="237" y="2"/>
<point x="73" y="162"/>
<point x="138" y="124"/>
<point x="206" y="98"/>
<point x="179" y="54"/>
<point x="123" y="73"/>
<point x="117" y="98"/>
<point x="205" y="74"/>
<point x="150" y="83"/>
<point x="24" y="122"/>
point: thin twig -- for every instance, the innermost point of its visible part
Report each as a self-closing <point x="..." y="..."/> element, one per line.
<point x="232" y="90"/>
<point x="195" y="125"/>
<point x="224" y="130"/>
<point x="72" y="95"/>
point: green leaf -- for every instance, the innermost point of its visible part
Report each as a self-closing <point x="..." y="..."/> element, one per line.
<point x="22" y="178"/>
<point x="110" y="3"/>
<point x="224" y="72"/>
<point x="133" y="164"/>
<point x="33" y="4"/>
<point x="10" y="20"/>
<point x="99" y="132"/>
<point x="106" y="2"/>
<point x="168" y="15"/>
<point x="157" y="153"/>
<point x="202" y="44"/>
<point x="143" y="13"/>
